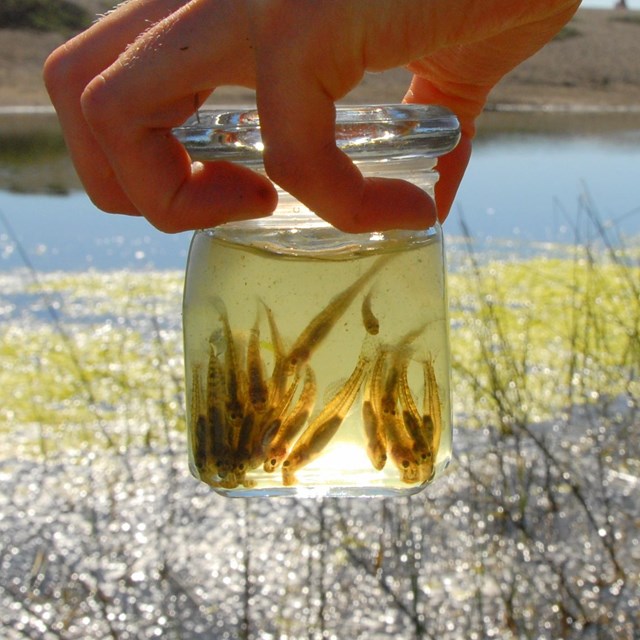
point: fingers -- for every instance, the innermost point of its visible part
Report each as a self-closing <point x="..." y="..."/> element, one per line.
<point x="296" y="97"/>
<point x="302" y="157"/>
<point x="477" y="53"/>
<point x="70" y="68"/>
<point x="451" y="168"/>
<point x="120" y="88"/>
<point x="461" y="76"/>
<point x="131" y="106"/>
<point x="156" y="173"/>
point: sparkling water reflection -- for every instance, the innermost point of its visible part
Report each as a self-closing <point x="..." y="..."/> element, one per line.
<point x="531" y="188"/>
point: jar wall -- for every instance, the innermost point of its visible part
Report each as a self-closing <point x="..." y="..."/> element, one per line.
<point x="317" y="373"/>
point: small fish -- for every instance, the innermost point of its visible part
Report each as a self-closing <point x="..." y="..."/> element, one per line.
<point x="242" y="452"/>
<point x="369" y="319"/>
<point x="320" y="326"/>
<point x="400" y="450"/>
<point x="403" y="349"/>
<point x="428" y="430"/>
<point x="406" y="397"/>
<point x="376" y="382"/>
<point x="218" y="443"/>
<point x="197" y="422"/>
<point x="376" y="446"/>
<point x="196" y="392"/>
<point x="389" y="398"/>
<point x="322" y="429"/>
<point x="401" y="353"/>
<point x="421" y="445"/>
<point x="269" y="424"/>
<point x="236" y="383"/>
<point x="310" y="448"/>
<point x="290" y="426"/>
<point x="376" y="442"/>
<point x="432" y="408"/>
<point x="199" y="439"/>
<point x="279" y="374"/>
<point x="428" y="427"/>
<point x="258" y="389"/>
<point x="234" y="404"/>
<point x="399" y="444"/>
<point x="216" y="384"/>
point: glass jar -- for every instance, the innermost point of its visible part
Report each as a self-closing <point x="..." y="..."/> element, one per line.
<point x="317" y="362"/>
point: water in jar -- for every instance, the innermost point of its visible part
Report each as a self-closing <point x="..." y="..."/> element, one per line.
<point x="316" y="376"/>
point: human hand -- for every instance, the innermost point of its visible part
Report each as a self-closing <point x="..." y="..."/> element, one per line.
<point x="121" y="86"/>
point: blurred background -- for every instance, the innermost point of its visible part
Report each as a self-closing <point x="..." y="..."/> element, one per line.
<point x="534" y="530"/>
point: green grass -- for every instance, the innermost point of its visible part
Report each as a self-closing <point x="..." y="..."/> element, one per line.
<point x="567" y="32"/>
<point x="43" y="15"/>
<point x="105" y="374"/>
<point x="534" y="337"/>
<point x="91" y="374"/>
<point x="626" y="18"/>
<point x="27" y="149"/>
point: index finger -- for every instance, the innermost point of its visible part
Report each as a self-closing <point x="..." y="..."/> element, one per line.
<point x="134" y="104"/>
<point x="71" y="67"/>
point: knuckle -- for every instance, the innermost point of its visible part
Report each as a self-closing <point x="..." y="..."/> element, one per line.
<point x="284" y="170"/>
<point x="166" y="215"/>
<point x="65" y="72"/>
<point x="97" y="104"/>
<point x="105" y="192"/>
<point x="167" y="224"/>
<point x="55" y="72"/>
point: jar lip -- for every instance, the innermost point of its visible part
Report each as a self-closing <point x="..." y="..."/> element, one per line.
<point x="313" y="238"/>
<point x="365" y="132"/>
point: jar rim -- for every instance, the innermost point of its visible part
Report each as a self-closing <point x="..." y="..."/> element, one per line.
<point x="365" y="132"/>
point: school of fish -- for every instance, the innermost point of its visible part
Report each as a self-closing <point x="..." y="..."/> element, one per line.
<point x="243" y="418"/>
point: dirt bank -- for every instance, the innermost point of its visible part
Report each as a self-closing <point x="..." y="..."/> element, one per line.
<point x="594" y="63"/>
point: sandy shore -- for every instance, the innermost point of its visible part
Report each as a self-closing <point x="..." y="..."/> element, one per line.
<point x="596" y="65"/>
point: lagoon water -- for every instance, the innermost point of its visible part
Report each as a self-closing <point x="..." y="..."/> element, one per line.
<point x="533" y="188"/>
<point x="521" y="187"/>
